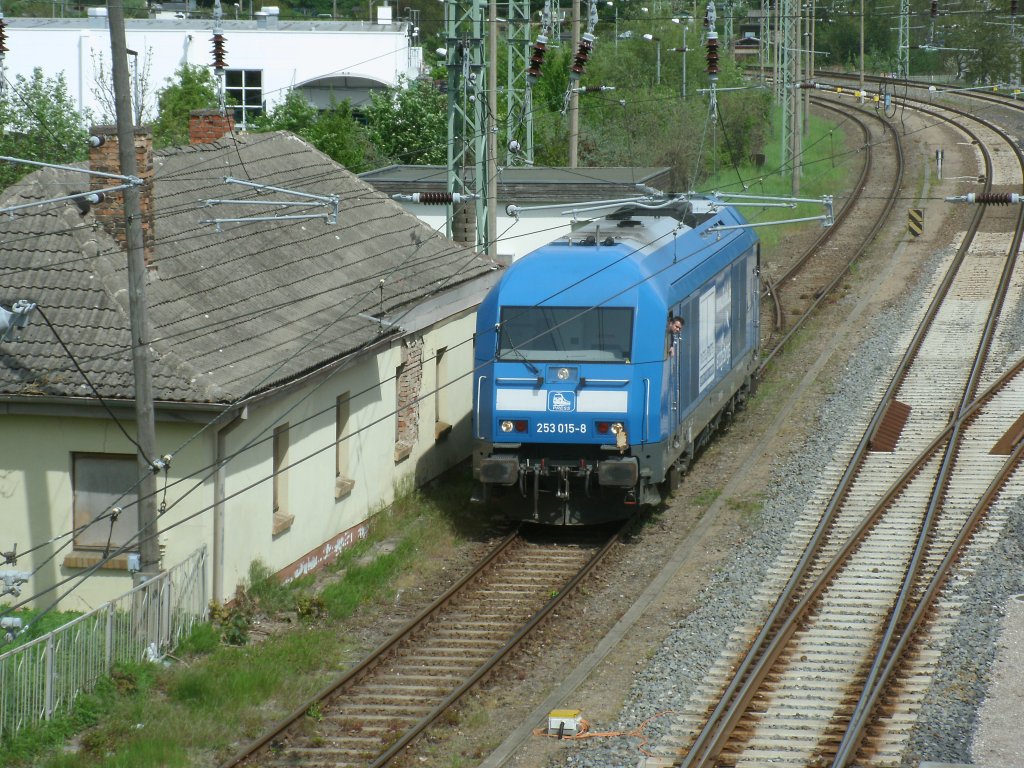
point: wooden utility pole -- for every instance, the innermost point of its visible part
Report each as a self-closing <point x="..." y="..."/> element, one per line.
<point x="149" y="546"/>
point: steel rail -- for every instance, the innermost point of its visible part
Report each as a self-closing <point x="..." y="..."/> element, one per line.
<point x="773" y="292"/>
<point x="503" y="550"/>
<point x="861" y="716"/>
<point x="828" y="234"/>
<point x="875" y="679"/>
<point x="788" y="625"/>
<point x="486" y="668"/>
<point x="381" y="652"/>
<point x="757" y="661"/>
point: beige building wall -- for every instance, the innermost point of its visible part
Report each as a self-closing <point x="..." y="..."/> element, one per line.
<point x="320" y="511"/>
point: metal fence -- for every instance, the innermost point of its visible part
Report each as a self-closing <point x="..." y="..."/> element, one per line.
<point x="43" y="677"/>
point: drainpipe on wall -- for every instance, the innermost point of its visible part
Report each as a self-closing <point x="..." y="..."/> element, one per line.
<point x="219" y="481"/>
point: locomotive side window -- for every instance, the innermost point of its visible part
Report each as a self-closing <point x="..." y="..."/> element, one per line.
<point x="574" y="334"/>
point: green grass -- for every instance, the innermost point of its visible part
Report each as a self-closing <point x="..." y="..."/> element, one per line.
<point x="826" y="170"/>
<point x="36" y="624"/>
<point x="748" y="508"/>
<point x="196" y="711"/>
<point x="707" y="497"/>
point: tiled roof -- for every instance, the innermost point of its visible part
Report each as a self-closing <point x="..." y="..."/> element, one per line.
<point x="233" y="312"/>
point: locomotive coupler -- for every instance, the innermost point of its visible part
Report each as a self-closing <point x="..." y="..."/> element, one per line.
<point x="563" y="483"/>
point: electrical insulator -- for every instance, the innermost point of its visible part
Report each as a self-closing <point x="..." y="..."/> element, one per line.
<point x="935" y="8"/>
<point x="712" y="56"/>
<point x="537" y="59"/>
<point x="579" y="62"/>
<point x="434" y="198"/>
<point x="996" y="198"/>
<point x="3" y="36"/>
<point x="988" y="198"/>
<point x="219" y="51"/>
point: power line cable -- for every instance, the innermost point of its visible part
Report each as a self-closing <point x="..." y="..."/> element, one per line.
<point x="137" y="539"/>
<point x="165" y="490"/>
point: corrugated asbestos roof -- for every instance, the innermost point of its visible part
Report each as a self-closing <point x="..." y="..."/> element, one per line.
<point x="234" y="312"/>
<point x="535" y="185"/>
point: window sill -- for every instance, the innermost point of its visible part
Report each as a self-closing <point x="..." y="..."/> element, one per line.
<point x="282" y="523"/>
<point x="402" y="451"/>
<point x="92" y="559"/>
<point x="343" y="487"/>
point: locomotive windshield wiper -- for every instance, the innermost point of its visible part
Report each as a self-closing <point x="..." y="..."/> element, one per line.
<point x="513" y="348"/>
<point x="521" y="356"/>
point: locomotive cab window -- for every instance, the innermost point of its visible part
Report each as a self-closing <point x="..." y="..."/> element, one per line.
<point x="573" y="334"/>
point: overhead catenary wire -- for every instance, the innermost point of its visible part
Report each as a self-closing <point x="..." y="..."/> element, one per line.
<point x="313" y="416"/>
<point x="330" y="445"/>
<point x="104" y="515"/>
<point x="199" y="230"/>
<point x="165" y="488"/>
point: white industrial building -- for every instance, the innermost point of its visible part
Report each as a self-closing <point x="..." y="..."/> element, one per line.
<point x="266" y="57"/>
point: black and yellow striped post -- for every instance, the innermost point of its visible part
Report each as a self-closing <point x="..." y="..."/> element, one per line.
<point x="915" y="221"/>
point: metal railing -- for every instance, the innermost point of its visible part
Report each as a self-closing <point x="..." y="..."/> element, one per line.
<point x="43" y="677"/>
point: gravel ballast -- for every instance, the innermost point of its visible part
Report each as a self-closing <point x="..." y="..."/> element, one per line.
<point x="949" y="716"/>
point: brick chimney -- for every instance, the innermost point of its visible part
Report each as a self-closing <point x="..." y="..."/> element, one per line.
<point x="208" y="125"/>
<point x="110" y="213"/>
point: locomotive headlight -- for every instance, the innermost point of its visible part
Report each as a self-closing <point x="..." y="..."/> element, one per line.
<point x="616" y="428"/>
<point x="563" y="374"/>
<point x="506" y="426"/>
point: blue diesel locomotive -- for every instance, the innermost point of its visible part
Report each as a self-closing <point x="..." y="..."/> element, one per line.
<point x="606" y="359"/>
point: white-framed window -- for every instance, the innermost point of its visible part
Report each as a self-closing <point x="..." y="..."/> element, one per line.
<point x="244" y="87"/>
<point x="102" y="481"/>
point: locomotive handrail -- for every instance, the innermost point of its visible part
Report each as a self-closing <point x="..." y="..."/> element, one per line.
<point x="647" y="407"/>
<point x="479" y="382"/>
<point x="604" y="382"/>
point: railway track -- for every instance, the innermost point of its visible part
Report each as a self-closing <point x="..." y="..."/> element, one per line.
<point x="796" y="289"/>
<point x="831" y="671"/>
<point x="374" y="712"/>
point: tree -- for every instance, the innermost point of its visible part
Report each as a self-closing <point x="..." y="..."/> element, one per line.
<point x="409" y="123"/>
<point x="103" y="87"/>
<point x="192" y="88"/>
<point x="984" y="52"/>
<point x="40" y="122"/>
<point x="334" y="131"/>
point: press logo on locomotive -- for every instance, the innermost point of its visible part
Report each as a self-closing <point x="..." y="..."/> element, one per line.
<point x="562" y="401"/>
